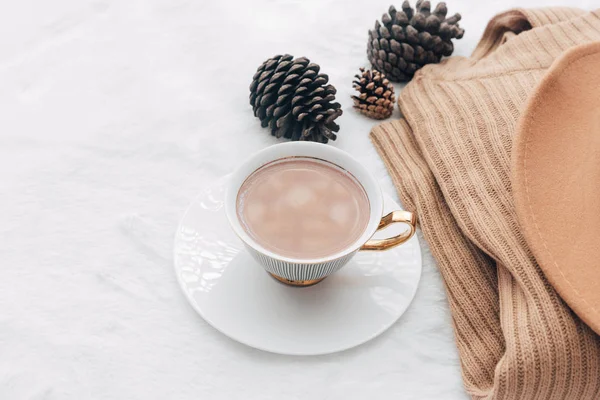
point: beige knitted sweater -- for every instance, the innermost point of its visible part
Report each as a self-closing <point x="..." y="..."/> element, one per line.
<point x="449" y="158"/>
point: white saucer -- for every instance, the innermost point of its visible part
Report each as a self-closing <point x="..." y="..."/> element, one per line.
<point x="236" y="296"/>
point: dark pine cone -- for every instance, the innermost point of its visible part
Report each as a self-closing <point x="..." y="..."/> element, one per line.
<point x="293" y="99"/>
<point x="406" y="40"/>
<point x="376" y="98"/>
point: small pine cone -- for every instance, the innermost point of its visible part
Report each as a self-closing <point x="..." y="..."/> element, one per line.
<point x="376" y="94"/>
<point x="406" y="40"/>
<point x="293" y="99"/>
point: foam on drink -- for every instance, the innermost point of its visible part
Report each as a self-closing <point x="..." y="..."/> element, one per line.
<point x="303" y="208"/>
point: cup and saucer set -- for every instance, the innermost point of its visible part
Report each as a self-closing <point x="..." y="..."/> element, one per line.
<point x="289" y="305"/>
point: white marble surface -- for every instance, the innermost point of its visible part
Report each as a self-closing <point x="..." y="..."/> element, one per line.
<point x="114" y="115"/>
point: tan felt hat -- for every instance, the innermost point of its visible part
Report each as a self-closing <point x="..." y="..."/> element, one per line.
<point x="556" y="178"/>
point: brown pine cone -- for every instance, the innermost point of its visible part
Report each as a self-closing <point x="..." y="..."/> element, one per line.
<point x="292" y="98"/>
<point x="376" y="99"/>
<point x="406" y="40"/>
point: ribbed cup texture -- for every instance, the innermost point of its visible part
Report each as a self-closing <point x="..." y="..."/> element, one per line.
<point x="450" y="160"/>
<point x="299" y="271"/>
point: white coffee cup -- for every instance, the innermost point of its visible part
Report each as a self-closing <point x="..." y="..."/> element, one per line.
<point x="305" y="272"/>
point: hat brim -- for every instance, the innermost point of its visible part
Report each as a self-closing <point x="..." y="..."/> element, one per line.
<point x="556" y="178"/>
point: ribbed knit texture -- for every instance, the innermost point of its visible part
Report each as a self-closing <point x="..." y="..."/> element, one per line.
<point x="450" y="161"/>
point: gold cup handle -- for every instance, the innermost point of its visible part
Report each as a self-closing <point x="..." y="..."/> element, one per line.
<point x="395" y="216"/>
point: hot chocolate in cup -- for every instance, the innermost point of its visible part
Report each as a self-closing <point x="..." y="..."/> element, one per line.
<point x="304" y="209"/>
